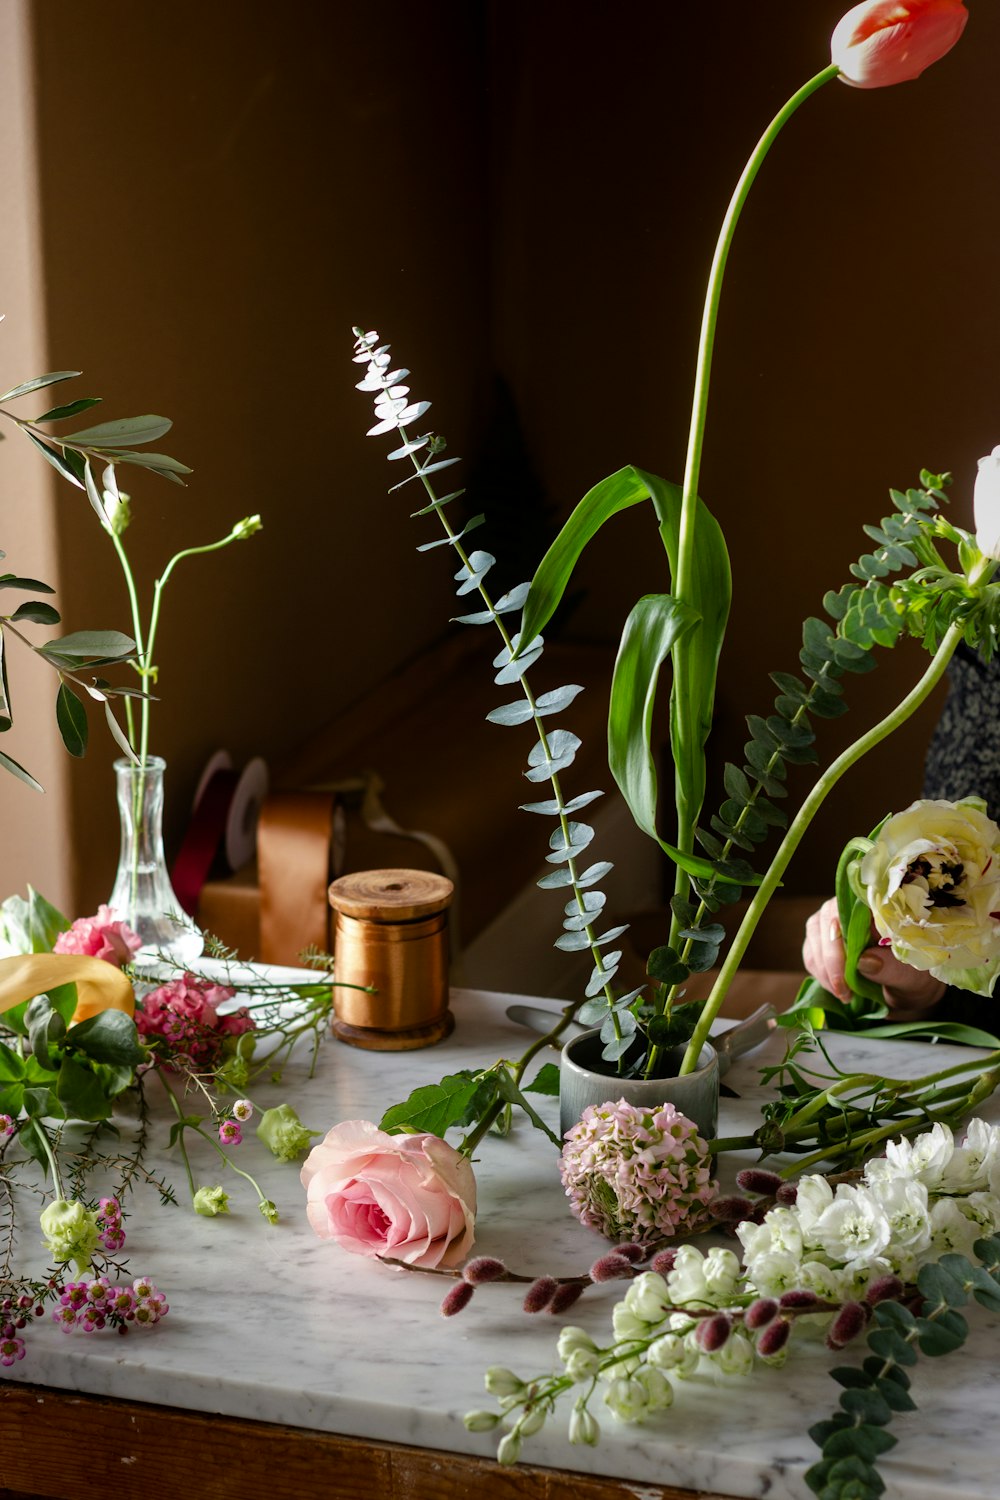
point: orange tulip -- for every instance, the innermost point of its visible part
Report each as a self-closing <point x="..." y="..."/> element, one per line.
<point x="99" y="985"/>
<point x="891" y="41"/>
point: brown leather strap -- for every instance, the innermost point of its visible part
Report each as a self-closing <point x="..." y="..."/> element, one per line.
<point x="294" y="839"/>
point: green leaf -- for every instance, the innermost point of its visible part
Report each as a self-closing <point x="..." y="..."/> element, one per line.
<point x="46" y="1028"/>
<point x="119" y="736"/>
<point x="33" y="1138"/>
<point x="11" y="1066"/>
<point x="434" y="1107"/>
<point x="71" y="717"/>
<point x="7" y="763"/>
<point x="509" y="1091"/>
<point x="125" y="432"/>
<point x="891" y="1345"/>
<point x="652" y="630"/>
<point x="6" y="712"/>
<point x="80" y="1092"/>
<point x="867" y="1442"/>
<point x="55" y="458"/>
<point x="11" y="581"/>
<point x="71" y="409"/>
<point x="938" y="1283"/>
<point x="108" y="1037"/>
<point x="868" y="1405"/>
<point x="942" y="1336"/>
<point x="37" y="612"/>
<point x="852" y="1479"/>
<point x="32" y="925"/>
<point x="545" y="1081"/>
<point x="39" y="383"/>
<point x="89" y="646"/>
<point x="895" y="1396"/>
<point x="169" y="468"/>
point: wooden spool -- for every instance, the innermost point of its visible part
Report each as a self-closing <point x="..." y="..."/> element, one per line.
<point x="391" y="932"/>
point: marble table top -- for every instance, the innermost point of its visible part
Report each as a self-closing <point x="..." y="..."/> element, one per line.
<point x="270" y="1323"/>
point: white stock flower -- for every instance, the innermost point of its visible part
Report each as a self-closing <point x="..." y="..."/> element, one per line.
<point x="648" y="1297"/>
<point x="986" y="504"/>
<point x="932" y="880"/>
<point x="773" y="1272"/>
<point x="686" y="1280"/>
<point x="904" y="1203"/>
<point x="626" y="1325"/>
<point x="926" y="1159"/>
<point x="668" y="1352"/>
<point x="813" y="1195"/>
<point x="736" y="1355"/>
<point x="722" y="1272"/>
<point x="983" y="1210"/>
<point x="571" y="1338"/>
<point x="853" y="1228"/>
<point x="583" y="1428"/>
<point x="627" y="1399"/>
<point x="582" y="1364"/>
<point x="975" y="1161"/>
<point x="659" y="1391"/>
<point x="951" y="1231"/>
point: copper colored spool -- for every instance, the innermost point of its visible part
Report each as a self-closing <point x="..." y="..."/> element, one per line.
<point x="391" y="931"/>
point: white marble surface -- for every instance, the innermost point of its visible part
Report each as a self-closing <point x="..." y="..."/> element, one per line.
<point x="273" y="1324"/>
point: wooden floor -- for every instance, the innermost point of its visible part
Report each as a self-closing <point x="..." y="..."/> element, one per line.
<point x="62" y="1446"/>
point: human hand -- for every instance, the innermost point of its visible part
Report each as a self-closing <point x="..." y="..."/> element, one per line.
<point x="909" y="993"/>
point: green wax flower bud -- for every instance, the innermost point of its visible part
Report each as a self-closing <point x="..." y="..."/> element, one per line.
<point x="246" y="527"/>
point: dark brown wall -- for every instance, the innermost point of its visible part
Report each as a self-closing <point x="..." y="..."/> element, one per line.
<point x="530" y="188"/>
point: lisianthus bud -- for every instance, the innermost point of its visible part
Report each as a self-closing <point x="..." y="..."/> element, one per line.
<point x="71" y="1232"/>
<point x="283" y="1133"/>
<point x="986" y="504"/>
<point x="210" y="1201"/>
<point x="882" y="42"/>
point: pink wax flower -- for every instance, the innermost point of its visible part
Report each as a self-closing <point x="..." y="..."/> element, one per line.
<point x="185" y="1014"/>
<point x="409" y="1197"/>
<point x="636" y="1174"/>
<point x="892" y="41"/>
<point x="102" y="936"/>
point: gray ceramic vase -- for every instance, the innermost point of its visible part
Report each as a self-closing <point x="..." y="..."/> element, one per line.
<point x="583" y="1079"/>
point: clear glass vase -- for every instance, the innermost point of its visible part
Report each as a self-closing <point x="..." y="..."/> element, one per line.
<point x="143" y="896"/>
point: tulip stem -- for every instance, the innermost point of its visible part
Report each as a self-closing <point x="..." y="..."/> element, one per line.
<point x="687" y="815"/>
<point x="800" y="823"/>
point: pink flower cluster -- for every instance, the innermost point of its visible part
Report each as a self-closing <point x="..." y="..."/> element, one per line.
<point x="110" y="1223"/>
<point x="184" y="1013"/>
<point x="100" y="937"/>
<point x="96" y="1304"/>
<point x="636" y="1174"/>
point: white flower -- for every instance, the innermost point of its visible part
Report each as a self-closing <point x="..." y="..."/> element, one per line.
<point x="686" y="1281"/>
<point x="904" y="1203"/>
<point x="853" y="1228"/>
<point x="626" y="1325"/>
<point x="986" y="505"/>
<point x="926" y="1159"/>
<point x="659" y="1391"/>
<point x="648" y="1297"/>
<point x="736" y="1355"/>
<point x="813" y="1195"/>
<point x="583" y="1428"/>
<point x="582" y="1364"/>
<point x="932" y="880"/>
<point x="826" y="1281"/>
<point x="571" y="1338"/>
<point x="774" y="1272"/>
<point x="982" y="1209"/>
<point x="668" y="1352"/>
<point x="722" y="1273"/>
<point x="974" y="1162"/>
<point x="627" y="1399"/>
<point x="951" y="1230"/>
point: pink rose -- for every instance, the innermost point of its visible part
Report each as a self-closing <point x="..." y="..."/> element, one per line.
<point x="410" y="1197"/>
<point x="100" y="937"/>
<point x="891" y="41"/>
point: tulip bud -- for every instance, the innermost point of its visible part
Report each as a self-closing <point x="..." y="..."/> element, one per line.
<point x="882" y="42"/>
<point x="986" y="505"/>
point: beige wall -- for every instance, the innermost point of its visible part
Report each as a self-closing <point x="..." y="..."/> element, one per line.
<point x="225" y="188"/>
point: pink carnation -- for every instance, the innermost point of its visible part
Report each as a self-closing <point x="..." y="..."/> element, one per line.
<point x="100" y="937"/>
<point x="636" y="1174"/>
<point x="185" y="1014"/>
<point x="410" y="1197"/>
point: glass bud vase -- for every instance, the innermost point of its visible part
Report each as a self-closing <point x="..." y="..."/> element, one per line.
<point x="142" y="896"/>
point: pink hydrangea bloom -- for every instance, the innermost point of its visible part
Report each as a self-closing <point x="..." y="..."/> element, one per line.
<point x="636" y="1174"/>
<point x="185" y="1014"/>
<point x="100" y="937"/>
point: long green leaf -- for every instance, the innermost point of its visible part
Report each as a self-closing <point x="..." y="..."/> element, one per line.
<point x="38" y="384"/>
<point x="71" y="716"/>
<point x="54" y="458"/>
<point x="7" y="763"/>
<point x="6" y="713"/>
<point x="72" y="409"/>
<point x="90" y="645"/>
<point x="654" y="626"/>
<point x="126" y="432"/>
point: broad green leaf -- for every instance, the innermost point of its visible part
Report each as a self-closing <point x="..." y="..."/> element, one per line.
<point x="433" y="1108"/>
<point x="80" y="1092"/>
<point x="545" y="1081"/>
<point x="39" y="383"/>
<point x="71" y="409"/>
<point x="46" y="1028"/>
<point x="37" y="612"/>
<point x="11" y="1066"/>
<point x="125" y="432"/>
<point x="7" y="763"/>
<point x="71" y="717"/>
<point x="11" y="581"/>
<point x="90" y="646"/>
<point x="654" y="626"/>
<point x="110" y="1036"/>
<point x="30" y="925"/>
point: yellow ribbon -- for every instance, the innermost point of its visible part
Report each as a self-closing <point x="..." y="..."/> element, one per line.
<point x="99" y="985"/>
